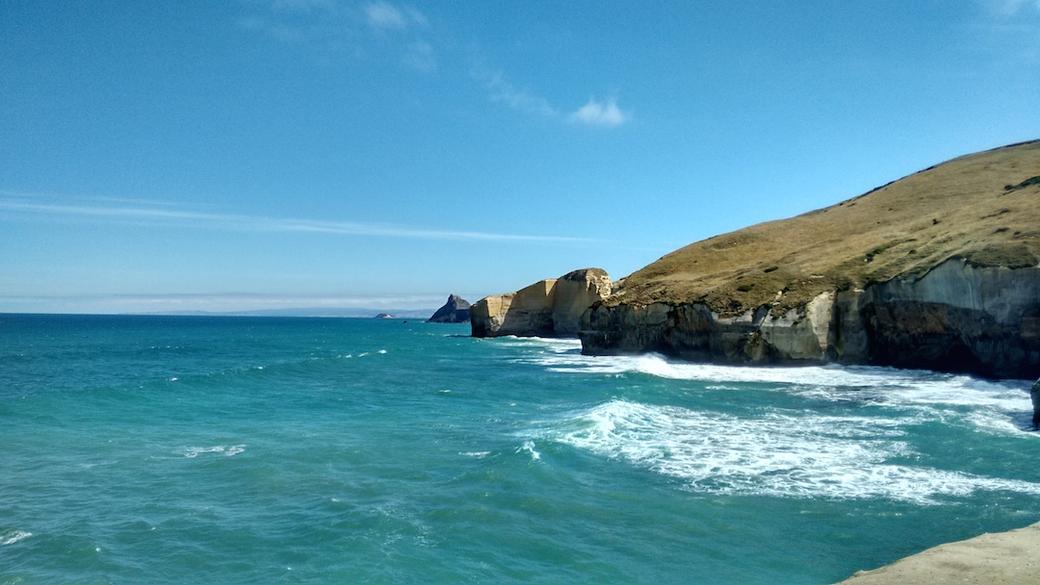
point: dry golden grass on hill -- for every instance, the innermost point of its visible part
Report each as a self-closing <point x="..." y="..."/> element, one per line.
<point x="984" y="207"/>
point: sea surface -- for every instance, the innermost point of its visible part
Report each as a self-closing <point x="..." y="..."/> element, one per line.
<point x="279" y="450"/>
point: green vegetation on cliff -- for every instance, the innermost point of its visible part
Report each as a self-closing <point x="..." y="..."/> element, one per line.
<point x="984" y="207"/>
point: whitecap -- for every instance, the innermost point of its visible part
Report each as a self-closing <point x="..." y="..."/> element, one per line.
<point x="226" y="450"/>
<point x="993" y="406"/>
<point x="553" y="344"/>
<point x="382" y="351"/>
<point x="528" y="447"/>
<point x="13" y="537"/>
<point x="783" y="454"/>
<point x="475" y="454"/>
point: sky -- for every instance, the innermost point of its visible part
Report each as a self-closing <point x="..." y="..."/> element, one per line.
<point x="267" y="154"/>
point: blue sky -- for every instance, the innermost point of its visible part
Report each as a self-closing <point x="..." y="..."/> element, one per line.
<point x="244" y="155"/>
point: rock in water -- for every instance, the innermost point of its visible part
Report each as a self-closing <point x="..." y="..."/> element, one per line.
<point x="547" y="308"/>
<point x="937" y="270"/>
<point x="455" y="310"/>
<point x="1034" y="395"/>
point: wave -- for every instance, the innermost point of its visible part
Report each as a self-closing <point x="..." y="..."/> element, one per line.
<point x="992" y="406"/>
<point x="226" y="450"/>
<point x="528" y="447"/>
<point x="475" y="454"/>
<point x="555" y="344"/>
<point x="13" y="537"/>
<point x="778" y="454"/>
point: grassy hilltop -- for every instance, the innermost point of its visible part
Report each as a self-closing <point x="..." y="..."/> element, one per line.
<point x="984" y="207"/>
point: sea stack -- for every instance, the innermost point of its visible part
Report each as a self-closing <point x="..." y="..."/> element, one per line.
<point x="547" y="308"/>
<point x="938" y="270"/>
<point x="455" y="310"/>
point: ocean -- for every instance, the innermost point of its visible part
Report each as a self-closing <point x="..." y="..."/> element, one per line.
<point x="282" y="450"/>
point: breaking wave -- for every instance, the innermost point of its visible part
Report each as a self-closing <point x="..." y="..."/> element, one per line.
<point x="778" y="454"/>
<point x="992" y="406"/>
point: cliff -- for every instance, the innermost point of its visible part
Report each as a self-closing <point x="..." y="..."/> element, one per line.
<point x="991" y="559"/>
<point x="455" y="310"/>
<point x="547" y="308"/>
<point x="937" y="270"/>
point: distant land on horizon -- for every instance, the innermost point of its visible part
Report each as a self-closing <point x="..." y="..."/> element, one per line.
<point x="304" y="312"/>
<point x="350" y="313"/>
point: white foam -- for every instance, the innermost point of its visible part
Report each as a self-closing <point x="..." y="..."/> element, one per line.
<point x="226" y="450"/>
<point x="554" y="344"/>
<point x="785" y="454"/>
<point x="528" y="447"/>
<point x="989" y="405"/>
<point x="382" y="351"/>
<point x="475" y="454"/>
<point x="13" y="537"/>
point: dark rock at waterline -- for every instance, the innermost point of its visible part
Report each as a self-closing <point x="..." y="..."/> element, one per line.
<point x="455" y="310"/>
<point x="1035" y="395"/>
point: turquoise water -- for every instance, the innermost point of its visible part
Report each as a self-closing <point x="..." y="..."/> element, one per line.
<point x="240" y="450"/>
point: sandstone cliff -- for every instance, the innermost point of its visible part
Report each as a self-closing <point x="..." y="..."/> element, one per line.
<point x="547" y="308"/>
<point x="455" y="310"/>
<point x="937" y="270"/>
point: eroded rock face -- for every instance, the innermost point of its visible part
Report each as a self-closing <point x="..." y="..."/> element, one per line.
<point x="526" y="312"/>
<point x="956" y="318"/>
<point x="455" y="310"/>
<point x="547" y="308"/>
<point x="575" y="292"/>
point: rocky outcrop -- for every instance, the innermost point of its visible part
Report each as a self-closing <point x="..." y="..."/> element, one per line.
<point x="937" y="270"/>
<point x="956" y="318"/>
<point x="575" y="292"/>
<point x="547" y="308"/>
<point x="1034" y="396"/>
<point x="455" y="310"/>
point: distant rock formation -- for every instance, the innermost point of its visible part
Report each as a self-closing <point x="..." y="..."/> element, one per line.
<point x="455" y="310"/>
<point x="384" y="316"/>
<point x="547" y="308"/>
<point x="938" y="270"/>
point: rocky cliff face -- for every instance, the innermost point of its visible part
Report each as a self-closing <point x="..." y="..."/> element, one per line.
<point x="956" y="318"/>
<point x="547" y="308"/>
<point x="575" y="292"/>
<point x="455" y="310"/>
<point x="939" y="270"/>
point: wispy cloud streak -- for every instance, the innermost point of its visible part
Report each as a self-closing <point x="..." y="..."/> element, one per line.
<point x="386" y="16"/>
<point x="242" y="222"/>
<point x="502" y="91"/>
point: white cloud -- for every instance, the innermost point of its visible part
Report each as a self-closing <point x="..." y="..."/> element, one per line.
<point x="1013" y="7"/>
<point x="421" y="57"/>
<point x="385" y="16"/>
<point x="502" y="91"/>
<point x="331" y="305"/>
<point x="304" y="5"/>
<point x="604" y="113"/>
<point x="230" y="221"/>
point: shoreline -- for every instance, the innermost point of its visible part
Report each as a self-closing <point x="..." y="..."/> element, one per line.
<point x="997" y="558"/>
